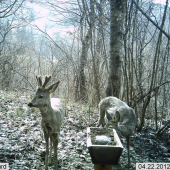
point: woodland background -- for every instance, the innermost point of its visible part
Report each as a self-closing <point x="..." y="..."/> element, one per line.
<point x="96" y="48"/>
<point x="74" y="47"/>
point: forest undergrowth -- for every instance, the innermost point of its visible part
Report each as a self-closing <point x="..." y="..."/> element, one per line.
<point x="22" y="144"/>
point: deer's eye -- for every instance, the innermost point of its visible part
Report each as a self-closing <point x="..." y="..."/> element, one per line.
<point x="40" y="96"/>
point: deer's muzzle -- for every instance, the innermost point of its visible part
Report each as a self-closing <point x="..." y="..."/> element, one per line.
<point x="30" y="105"/>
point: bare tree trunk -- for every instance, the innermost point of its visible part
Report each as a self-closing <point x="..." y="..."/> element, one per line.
<point x="97" y="48"/>
<point x="6" y="75"/>
<point x="76" y="87"/>
<point x="85" y="40"/>
<point x="116" y="47"/>
<point x="83" y="62"/>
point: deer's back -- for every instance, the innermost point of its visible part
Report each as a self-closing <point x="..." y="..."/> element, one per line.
<point x="111" y="102"/>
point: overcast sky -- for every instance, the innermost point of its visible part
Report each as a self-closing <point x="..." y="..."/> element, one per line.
<point x="45" y="20"/>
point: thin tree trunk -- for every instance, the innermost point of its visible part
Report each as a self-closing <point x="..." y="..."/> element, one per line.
<point x="83" y="62"/>
<point x="97" y="48"/>
<point x="85" y="40"/>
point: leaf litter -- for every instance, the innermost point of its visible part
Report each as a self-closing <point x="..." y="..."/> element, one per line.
<point x="22" y="144"/>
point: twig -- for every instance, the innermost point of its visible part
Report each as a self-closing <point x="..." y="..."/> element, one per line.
<point x="162" y="129"/>
<point x="154" y="89"/>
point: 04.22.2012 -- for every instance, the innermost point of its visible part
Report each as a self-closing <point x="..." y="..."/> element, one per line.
<point x="152" y="166"/>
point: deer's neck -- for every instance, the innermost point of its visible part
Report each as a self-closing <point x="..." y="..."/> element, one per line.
<point x="46" y="110"/>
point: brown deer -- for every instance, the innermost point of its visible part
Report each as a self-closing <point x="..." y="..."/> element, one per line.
<point x="120" y="116"/>
<point x="52" y="116"/>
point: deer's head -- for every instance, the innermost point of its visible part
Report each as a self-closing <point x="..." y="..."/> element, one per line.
<point x="42" y="95"/>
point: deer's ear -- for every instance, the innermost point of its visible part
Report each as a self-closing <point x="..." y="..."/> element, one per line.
<point x="108" y="115"/>
<point x="117" y="114"/>
<point x="53" y="87"/>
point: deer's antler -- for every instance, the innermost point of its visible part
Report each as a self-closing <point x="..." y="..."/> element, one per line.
<point x="39" y="80"/>
<point x="47" y="79"/>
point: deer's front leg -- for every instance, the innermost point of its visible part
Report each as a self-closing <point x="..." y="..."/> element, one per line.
<point x="51" y="147"/>
<point x="49" y="131"/>
<point x="46" y="136"/>
<point x="102" y="115"/>
<point x="55" y="145"/>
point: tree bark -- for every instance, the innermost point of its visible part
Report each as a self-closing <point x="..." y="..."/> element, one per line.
<point x="116" y="47"/>
<point x="85" y="40"/>
<point x="83" y="62"/>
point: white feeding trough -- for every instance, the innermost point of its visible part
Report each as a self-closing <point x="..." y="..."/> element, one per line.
<point x="104" y="146"/>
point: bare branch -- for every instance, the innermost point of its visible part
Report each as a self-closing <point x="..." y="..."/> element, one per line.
<point x="153" y="22"/>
